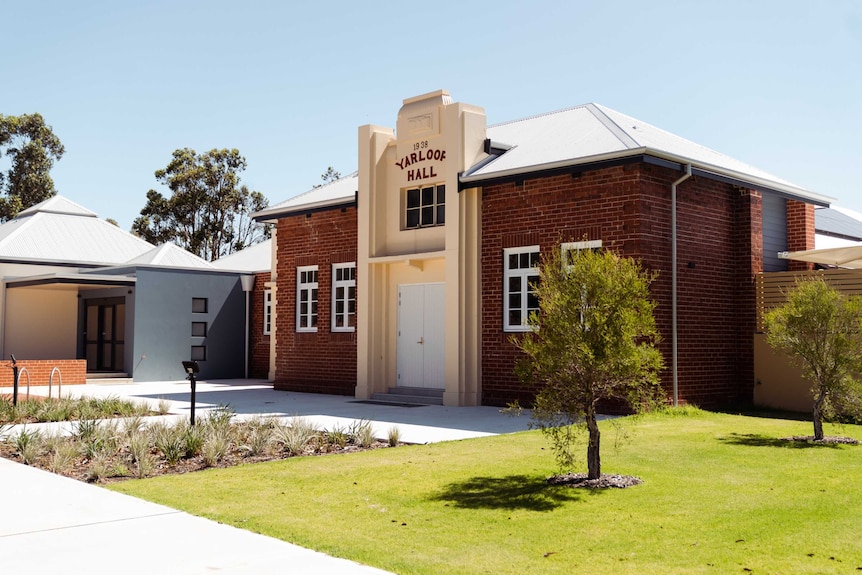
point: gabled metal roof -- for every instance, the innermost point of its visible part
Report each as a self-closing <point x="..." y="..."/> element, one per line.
<point x="256" y="258"/>
<point x="583" y="136"/>
<point x="59" y="230"/>
<point x="336" y="193"/>
<point x="593" y="134"/>
<point x="172" y="256"/>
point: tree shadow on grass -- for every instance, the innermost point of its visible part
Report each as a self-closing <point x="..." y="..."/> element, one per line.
<point x="759" y="440"/>
<point x="531" y="493"/>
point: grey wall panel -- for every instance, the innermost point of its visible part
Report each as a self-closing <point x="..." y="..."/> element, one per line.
<point x="163" y="322"/>
<point x="774" y="232"/>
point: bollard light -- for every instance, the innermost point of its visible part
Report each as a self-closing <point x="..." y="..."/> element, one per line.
<point x="192" y="368"/>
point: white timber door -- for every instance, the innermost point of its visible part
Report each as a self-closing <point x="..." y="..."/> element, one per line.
<point x="421" y="356"/>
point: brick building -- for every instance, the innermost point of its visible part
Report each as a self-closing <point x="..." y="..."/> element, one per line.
<point x="412" y="275"/>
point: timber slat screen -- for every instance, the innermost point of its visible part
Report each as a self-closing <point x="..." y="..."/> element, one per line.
<point x="772" y="287"/>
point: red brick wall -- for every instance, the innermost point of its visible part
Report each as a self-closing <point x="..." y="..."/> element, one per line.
<point x="258" y="342"/>
<point x="628" y="208"/>
<point x="800" y="232"/>
<point x="321" y="362"/>
<point x="72" y="372"/>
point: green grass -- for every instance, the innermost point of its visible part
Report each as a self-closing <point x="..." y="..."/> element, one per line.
<point x="722" y="494"/>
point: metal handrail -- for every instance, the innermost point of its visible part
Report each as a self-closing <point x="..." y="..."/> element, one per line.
<point x="51" y="380"/>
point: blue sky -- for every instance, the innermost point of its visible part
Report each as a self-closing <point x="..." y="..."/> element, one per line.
<point x="777" y="84"/>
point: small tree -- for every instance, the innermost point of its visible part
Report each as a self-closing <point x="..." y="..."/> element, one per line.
<point x="820" y="329"/>
<point x="592" y="340"/>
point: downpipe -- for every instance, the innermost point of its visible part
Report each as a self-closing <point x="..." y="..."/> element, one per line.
<point x="673" y="257"/>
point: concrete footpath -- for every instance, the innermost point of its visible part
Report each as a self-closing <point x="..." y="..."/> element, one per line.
<point x="51" y="524"/>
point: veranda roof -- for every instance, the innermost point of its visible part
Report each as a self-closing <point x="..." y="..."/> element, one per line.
<point x="845" y="257"/>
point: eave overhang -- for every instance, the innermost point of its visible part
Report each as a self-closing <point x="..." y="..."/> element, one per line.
<point x="80" y="280"/>
<point x="645" y="155"/>
<point x="270" y="215"/>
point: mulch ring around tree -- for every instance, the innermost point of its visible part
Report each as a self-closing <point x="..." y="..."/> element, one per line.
<point x="827" y="440"/>
<point x="582" y="480"/>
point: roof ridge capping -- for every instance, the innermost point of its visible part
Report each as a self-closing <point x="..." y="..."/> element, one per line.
<point x="58" y="204"/>
<point x="598" y="112"/>
<point x="542" y="115"/>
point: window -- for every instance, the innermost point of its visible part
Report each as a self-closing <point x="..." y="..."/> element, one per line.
<point x="199" y="329"/>
<point x="306" y="298"/>
<point x="520" y="274"/>
<point x="571" y="249"/>
<point x="425" y="207"/>
<point x="199" y="353"/>
<point x="199" y="305"/>
<point x="267" y="312"/>
<point x="344" y="297"/>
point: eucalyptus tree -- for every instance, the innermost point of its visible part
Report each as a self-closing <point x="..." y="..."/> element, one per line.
<point x="209" y="210"/>
<point x="32" y="148"/>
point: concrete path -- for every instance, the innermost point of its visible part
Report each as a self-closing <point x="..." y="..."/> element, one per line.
<point x="53" y="524"/>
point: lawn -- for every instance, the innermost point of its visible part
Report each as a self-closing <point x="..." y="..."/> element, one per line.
<point x="721" y="494"/>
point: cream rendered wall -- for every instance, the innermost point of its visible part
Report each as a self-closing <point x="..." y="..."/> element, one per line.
<point x="41" y="323"/>
<point x="436" y="140"/>
<point x="7" y="271"/>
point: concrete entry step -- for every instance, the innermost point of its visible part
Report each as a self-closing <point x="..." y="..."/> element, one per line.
<point x="416" y="395"/>
<point x="108" y="377"/>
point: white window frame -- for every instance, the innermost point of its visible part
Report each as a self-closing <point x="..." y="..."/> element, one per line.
<point x="311" y="289"/>
<point x="525" y="276"/>
<point x="267" y="312"/>
<point x="567" y="247"/>
<point x="346" y="284"/>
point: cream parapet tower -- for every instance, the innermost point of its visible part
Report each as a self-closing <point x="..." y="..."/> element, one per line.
<point x="418" y="296"/>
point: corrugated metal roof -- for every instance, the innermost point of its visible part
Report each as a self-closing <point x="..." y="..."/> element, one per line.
<point x="338" y="192"/>
<point x="62" y="231"/>
<point x="571" y="137"/>
<point x="591" y="133"/>
<point x="839" y="222"/>
<point x="256" y="258"/>
<point x="170" y="255"/>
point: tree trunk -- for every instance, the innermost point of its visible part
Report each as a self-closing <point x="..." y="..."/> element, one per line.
<point x="817" y="416"/>
<point x="594" y="461"/>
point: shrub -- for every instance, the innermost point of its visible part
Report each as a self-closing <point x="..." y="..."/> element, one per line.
<point x="338" y="435"/>
<point x="170" y="440"/>
<point x="216" y="446"/>
<point x="27" y="445"/>
<point x="394" y="437"/>
<point x="193" y="439"/>
<point x="296" y="435"/>
<point x="63" y="456"/>
<point x="363" y="433"/>
<point x="258" y="434"/>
